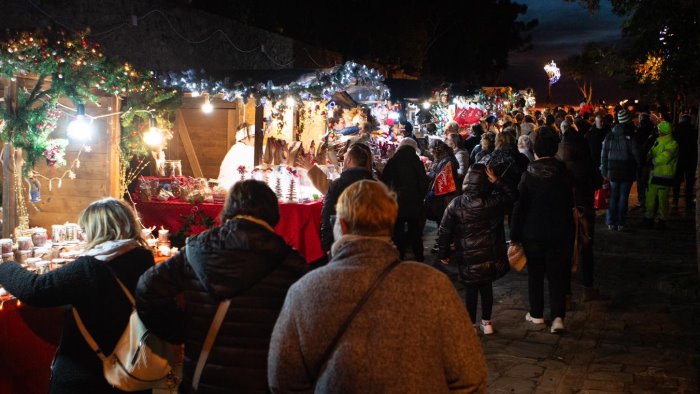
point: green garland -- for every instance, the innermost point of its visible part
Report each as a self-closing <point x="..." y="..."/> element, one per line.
<point x="71" y="66"/>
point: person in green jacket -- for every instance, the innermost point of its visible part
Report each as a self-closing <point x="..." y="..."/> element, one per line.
<point x="664" y="158"/>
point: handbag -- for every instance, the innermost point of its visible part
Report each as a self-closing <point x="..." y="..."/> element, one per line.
<point x="602" y="197"/>
<point x="344" y="327"/>
<point x="516" y="256"/>
<point x="209" y="341"/>
<point x="140" y="360"/>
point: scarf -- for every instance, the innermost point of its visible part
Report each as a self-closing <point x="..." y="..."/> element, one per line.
<point x="110" y="250"/>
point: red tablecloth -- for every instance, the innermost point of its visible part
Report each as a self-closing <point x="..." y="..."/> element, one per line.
<point x="28" y="343"/>
<point x="299" y="223"/>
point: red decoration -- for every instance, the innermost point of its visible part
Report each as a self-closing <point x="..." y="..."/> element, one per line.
<point x="445" y="181"/>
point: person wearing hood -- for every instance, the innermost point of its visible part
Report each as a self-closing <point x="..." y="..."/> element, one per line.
<point x="90" y="289"/>
<point x="369" y="323"/>
<point x="619" y="159"/>
<point x="474" y="221"/>
<point x="242" y="260"/>
<point x="405" y="174"/>
<point x="543" y="224"/>
<point x="664" y="159"/>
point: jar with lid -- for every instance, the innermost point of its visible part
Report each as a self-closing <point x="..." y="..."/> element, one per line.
<point x="24" y="243"/>
<point x="39" y="236"/>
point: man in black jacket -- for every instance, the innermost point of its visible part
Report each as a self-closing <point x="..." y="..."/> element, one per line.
<point x="356" y="167"/>
<point x="405" y="175"/>
<point x="687" y="136"/>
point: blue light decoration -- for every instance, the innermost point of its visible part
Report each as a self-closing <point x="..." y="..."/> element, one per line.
<point x="553" y="72"/>
<point x="366" y="83"/>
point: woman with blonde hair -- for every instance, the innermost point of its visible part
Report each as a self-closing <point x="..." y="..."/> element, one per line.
<point x="90" y="286"/>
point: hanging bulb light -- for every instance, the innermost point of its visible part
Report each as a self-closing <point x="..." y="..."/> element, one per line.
<point x="80" y="128"/>
<point x="153" y="137"/>
<point x="207" y="108"/>
<point x="426" y="105"/>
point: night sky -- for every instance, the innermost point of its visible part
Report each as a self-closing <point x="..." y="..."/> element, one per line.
<point x="564" y="28"/>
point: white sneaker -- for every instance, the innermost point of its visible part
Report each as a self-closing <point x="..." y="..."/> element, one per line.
<point x="557" y="325"/>
<point x="534" y="320"/>
<point x="486" y="327"/>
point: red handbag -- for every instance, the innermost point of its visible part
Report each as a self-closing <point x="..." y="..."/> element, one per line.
<point x="602" y="197"/>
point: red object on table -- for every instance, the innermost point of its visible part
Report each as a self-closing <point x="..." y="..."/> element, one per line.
<point x="29" y="339"/>
<point x="299" y="224"/>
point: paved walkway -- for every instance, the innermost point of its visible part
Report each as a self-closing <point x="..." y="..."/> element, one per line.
<point x="642" y="336"/>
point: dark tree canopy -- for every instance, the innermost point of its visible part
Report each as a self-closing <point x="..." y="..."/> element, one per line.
<point x="665" y="29"/>
<point x="462" y="41"/>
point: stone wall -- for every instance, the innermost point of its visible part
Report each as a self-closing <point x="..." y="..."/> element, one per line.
<point x="164" y="35"/>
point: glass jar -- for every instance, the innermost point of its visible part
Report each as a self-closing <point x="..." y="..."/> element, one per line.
<point x="6" y="245"/>
<point x="24" y="243"/>
<point x="39" y="236"/>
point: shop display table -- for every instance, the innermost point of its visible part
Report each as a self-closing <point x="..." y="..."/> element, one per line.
<point x="299" y="222"/>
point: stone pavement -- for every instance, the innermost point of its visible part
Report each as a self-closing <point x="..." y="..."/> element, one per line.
<point x="642" y="336"/>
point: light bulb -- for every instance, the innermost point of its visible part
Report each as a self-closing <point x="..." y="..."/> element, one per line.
<point x="426" y="105"/>
<point x="80" y="128"/>
<point x="153" y="137"/>
<point x="207" y="108"/>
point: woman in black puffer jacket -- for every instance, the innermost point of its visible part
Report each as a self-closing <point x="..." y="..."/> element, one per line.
<point x="475" y="222"/>
<point x="242" y="260"/>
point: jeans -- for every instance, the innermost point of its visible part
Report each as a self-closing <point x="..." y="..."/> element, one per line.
<point x="619" y="198"/>
<point x="472" y="295"/>
<point x="409" y="231"/>
<point x="550" y="259"/>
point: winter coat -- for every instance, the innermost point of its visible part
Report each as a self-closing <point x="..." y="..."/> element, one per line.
<point x="573" y="151"/>
<point x="474" y="221"/>
<point x="337" y="187"/>
<point x="242" y="261"/>
<point x="405" y="174"/>
<point x="508" y="164"/>
<point x="595" y="138"/>
<point x="88" y="285"/>
<point x="664" y="159"/>
<point x="413" y="334"/>
<point x="619" y="157"/>
<point x="543" y="211"/>
<point x="435" y="205"/>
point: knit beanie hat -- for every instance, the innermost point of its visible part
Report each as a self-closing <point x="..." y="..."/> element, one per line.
<point x="546" y="143"/>
<point x="408" y="142"/>
<point x="623" y="116"/>
<point x="664" y="128"/>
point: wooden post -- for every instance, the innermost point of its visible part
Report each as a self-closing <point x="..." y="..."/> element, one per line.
<point x="187" y="144"/>
<point x="259" y="133"/>
<point x="115" y="152"/>
<point x="231" y="127"/>
<point x="9" y="200"/>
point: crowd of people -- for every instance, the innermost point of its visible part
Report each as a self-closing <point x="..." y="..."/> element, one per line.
<point x="369" y="321"/>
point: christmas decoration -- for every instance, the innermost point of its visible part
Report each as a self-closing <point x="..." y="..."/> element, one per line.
<point x="196" y="222"/>
<point x="291" y="190"/>
<point x="553" y="72"/>
<point x="319" y="85"/>
<point x="241" y="172"/>
<point x="278" y="187"/>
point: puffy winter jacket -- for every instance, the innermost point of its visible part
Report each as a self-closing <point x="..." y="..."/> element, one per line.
<point x="619" y="157"/>
<point x="474" y="221"/>
<point x="664" y="158"/>
<point x="240" y="260"/>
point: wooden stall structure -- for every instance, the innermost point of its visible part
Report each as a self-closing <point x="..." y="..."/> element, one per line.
<point x="96" y="175"/>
